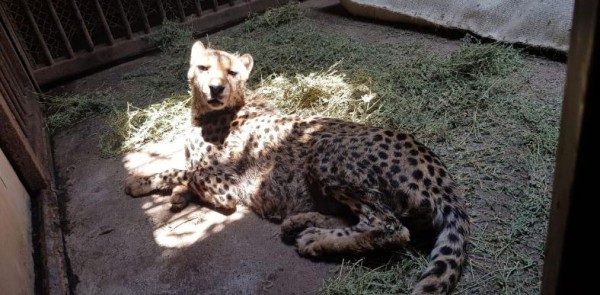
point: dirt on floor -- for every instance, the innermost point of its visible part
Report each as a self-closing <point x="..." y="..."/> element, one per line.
<point x="119" y="245"/>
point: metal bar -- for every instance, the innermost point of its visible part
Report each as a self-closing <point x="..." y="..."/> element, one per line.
<point x="109" y="35"/>
<point x="198" y="7"/>
<point x="231" y="2"/>
<point x="86" y="34"/>
<point x="215" y="5"/>
<point x="38" y="34"/>
<point x="61" y="30"/>
<point x="124" y="19"/>
<point x="180" y="10"/>
<point x="161" y="10"/>
<point x="144" y="16"/>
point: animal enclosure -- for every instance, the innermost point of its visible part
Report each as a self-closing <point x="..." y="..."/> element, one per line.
<point x="61" y="38"/>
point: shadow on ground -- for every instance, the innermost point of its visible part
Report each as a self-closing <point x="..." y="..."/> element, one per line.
<point x="121" y="245"/>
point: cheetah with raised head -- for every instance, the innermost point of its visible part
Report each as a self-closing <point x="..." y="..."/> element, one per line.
<point x="241" y="150"/>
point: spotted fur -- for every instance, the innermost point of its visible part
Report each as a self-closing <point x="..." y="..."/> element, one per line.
<point x="241" y="150"/>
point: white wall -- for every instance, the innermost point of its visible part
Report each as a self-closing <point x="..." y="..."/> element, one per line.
<point x="16" y="260"/>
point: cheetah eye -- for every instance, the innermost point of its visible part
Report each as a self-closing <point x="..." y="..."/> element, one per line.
<point x="232" y="73"/>
<point x="203" y="68"/>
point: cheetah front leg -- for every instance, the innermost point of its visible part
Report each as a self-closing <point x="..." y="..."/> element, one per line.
<point x="138" y="186"/>
<point x="214" y="185"/>
<point x="377" y="228"/>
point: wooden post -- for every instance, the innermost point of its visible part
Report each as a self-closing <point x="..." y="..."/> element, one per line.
<point x="570" y="230"/>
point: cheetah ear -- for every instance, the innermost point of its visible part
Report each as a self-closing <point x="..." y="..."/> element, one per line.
<point x="197" y="49"/>
<point x="247" y="61"/>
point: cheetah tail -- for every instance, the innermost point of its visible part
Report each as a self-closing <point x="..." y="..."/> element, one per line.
<point x="448" y="257"/>
<point x="166" y="180"/>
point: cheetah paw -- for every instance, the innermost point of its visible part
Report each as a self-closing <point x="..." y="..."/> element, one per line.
<point x="292" y="227"/>
<point x="309" y="243"/>
<point x="136" y="186"/>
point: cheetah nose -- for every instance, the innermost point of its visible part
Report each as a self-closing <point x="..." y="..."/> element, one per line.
<point x="216" y="90"/>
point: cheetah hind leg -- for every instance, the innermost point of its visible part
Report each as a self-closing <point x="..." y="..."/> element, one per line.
<point x="295" y="224"/>
<point x="378" y="229"/>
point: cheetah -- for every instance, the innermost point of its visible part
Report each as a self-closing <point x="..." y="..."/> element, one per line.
<point x="240" y="150"/>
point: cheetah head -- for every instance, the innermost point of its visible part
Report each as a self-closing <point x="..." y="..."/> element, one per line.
<point x="217" y="78"/>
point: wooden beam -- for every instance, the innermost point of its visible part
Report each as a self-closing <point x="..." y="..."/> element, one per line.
<point x="575" y="177"/>
<point x="15" y="145"/>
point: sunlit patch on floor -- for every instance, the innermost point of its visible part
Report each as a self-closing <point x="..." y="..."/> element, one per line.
<point x="155" y="157"/>
<point x="194" y="227"/>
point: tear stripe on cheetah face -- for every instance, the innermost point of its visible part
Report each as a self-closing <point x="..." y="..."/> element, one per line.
<point x="281" y="165"/>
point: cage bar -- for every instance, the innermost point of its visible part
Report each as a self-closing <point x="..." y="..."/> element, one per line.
<point x="123" y="16"/>
<point x="215" y="5"/>
<point x="109" y="35"/>
<point x="161" y="10"/>
<point x="144" y="16"/>
<point x="60" y="29"/>
<point x="38" y="34"/>
<point x="82" y="26"/>
<point x="198" y="7"/>
<point x="180" y="11"/>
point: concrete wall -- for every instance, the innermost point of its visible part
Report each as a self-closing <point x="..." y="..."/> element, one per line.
<point x="16" y="260"/>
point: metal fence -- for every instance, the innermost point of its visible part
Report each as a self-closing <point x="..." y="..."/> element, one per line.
<point x="60" y="38"/>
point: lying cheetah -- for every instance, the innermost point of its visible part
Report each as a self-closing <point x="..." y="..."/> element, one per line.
<point x="241" y="150"/>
